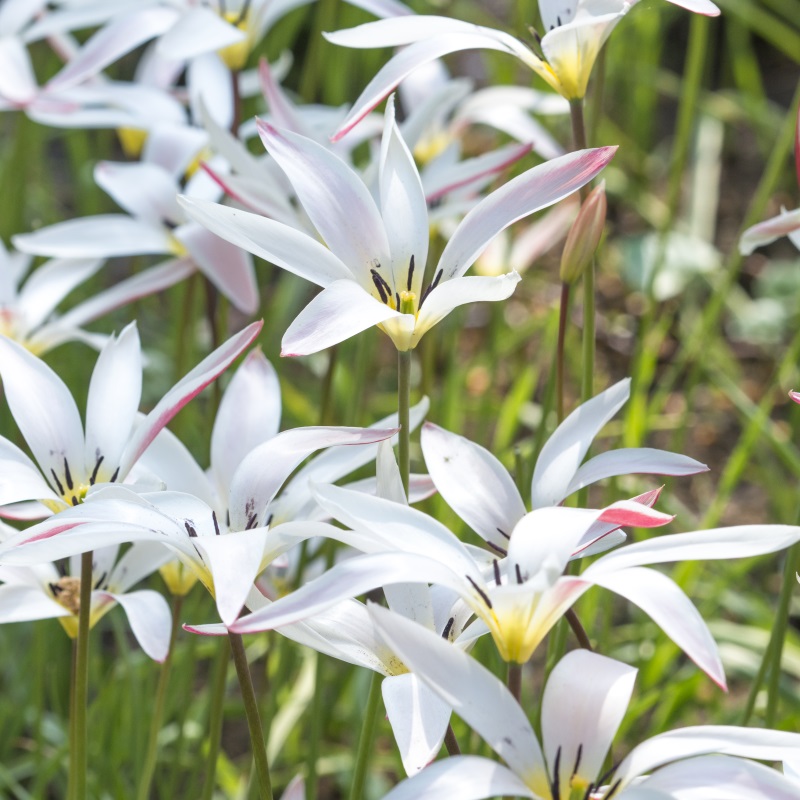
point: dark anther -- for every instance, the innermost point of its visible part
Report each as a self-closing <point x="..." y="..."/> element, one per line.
<point x="484" y="596"/>
<point x="496" y="572"/>
<point x="228" y="518"/>
<point x="558" y="20"/>
<point x="75" y="501"/>
<point x="115" y="475"/>
<point x="497" y="549"/>
<point x="433" y="284"/>
<point x="555" y="786"/>
<point x="448" y="628"/>
<point x="243" y="13"/>
<point x="251" y="522"/>
<point x="503" y="534"/>
<point x="613" y="790"/>
<point x="58" y="482"/>
<point x="67" y="474"/>
<point x="269" y="520"/>
<point x="384" y="290"/>
<point x="100" y="581"/>
<point x="397" y="299"/>
<point x="96" y="470"/>
<point x="519" y="573"/>
<point x="190" y="529"/>
<point x="55" y="589"/>
<point x="410" y="274"/>
<point x="216" y="524"/>
<point x="577" y="759"/>
<point x="605" y="776"/>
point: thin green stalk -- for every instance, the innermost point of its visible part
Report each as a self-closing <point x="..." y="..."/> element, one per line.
<point x="258" y="744"/>
<point x="71" y="725"/>
<point x="79" y="743"/>
<point x="149" y="768"/>
<point x="215" y="716"/>
<point x="563" y="314"/>
<point x="578" y="629"/>
<point x="315" y="734"/>
<point x="403" y="406"/>
<point x="365" y="741"/>
<point x="326" y="406"/>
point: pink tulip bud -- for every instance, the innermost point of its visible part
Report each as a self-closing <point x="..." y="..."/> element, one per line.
<point x="584" y="235"/>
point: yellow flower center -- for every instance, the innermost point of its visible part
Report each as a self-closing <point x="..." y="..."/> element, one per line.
<point x="234" y="56"/>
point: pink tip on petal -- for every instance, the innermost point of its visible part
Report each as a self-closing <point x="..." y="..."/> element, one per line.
<point x="795" y="396"/>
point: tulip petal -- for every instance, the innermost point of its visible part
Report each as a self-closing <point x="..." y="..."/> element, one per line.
<point x="197" y="31"/>
<point x="145" y="191"/>
<point x="20" y="603"/>
<point x="768" y="231"/>
<point x="150" y="620"/>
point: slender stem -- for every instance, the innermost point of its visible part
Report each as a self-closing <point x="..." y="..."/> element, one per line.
<point x="71" y="731"/>
<point x="563" y="313"/>
<point x="515" y="680"/>
<point x="403" y="406"/>
<point x="451" y="743"/>
<point x="578" y="629"/>
<point x="80" y="740"/>
<point x="257" y="741"/>
<point x="326" y="406"/>
<point x="315" y="734"/>
<point x="215" y="716"/>
<point x="365" y="741"/>
<point x="149" y="768"/>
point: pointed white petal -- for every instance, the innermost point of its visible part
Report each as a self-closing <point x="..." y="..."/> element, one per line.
<point x="114" y="393"/>
<point x="273" y="241"/>
<point x="150" y="620"/>
<point x="633" y="461"/>
<point x="580" y="717"/>
<point x="17" y="79"/>
<point x="334" y="197"/>
<point x="418" y="718"/>
<point x="187" y="388"/>
<point x="340" y="311"/>
<point x="45" y="412"/>
<point x="662" y="599"/>
<point x="20" y="479"/>
<point x="102" y="236"/>
<point x="20" y="603"/>
<point x="563" y="452"/>
<point x="474" y="484"/>
<point x="464" y="777"/>
<point x="476" y="695"/>
<point x="460" y="291"/>
<point x="262" y="472"/>
<point x="198" y="30"/>
<point x="229" y="268"/>
<point x="144" y="190"/>
<point x="535" y="189"/>
<point x="138" y="561"/>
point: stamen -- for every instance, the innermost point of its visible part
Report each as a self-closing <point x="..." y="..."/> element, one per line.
<point x="55" y="589"/>
<point x="216" y="524"/>
<point x="384" y="290"/>
<point x="251" y="522"/>
<point x="115" y="475"/>
<point x="577" y="760"/>
<point x="448" y="628"/>
<point x="243" y="14"/>
<point x="613" y="790"/>
<point x="433" y="284"/>
<point x="228" y="518"/>
<point x="410" y="274"/>
<point x="190" y="529"/>
<point x="519" y="574"/>
<point x="75" y="501"/>
<point x="555" y="786"/>
<point x="67" y="475"/>
<point x="496" y="572"/>
<point x="100" y="581"/>
<point x="397" y="300"/>
<point x="96" y="469"/>
<point x="503" y="534"/>
<point x="58" y="482"/>
<point x="269" y="520"/>
<point x="498" y="549"/>
<point x="484" y="596"/>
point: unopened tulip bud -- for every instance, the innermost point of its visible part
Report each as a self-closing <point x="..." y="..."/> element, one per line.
<point x="584" y="235"/>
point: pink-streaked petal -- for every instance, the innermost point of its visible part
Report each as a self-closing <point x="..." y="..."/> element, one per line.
<point x="102" y="236"/>
<point x="474" y="693"/>
<point x="150" y="620"/>
<point x="43" y="409"/>
<point x="249" y="414"/>
<point x="765" y="745"/>
<point x="185" y="390"/>
<point x="535" y="189"/>
<point x="228" y="267"/>
<point x="114" y="393"/>
<point x="281" y="109"/>
<point x="633" y="461"/>
<point x="262" y="472"/>
<point x="144" y="190"/>
<point x="112" y="42"/>
<point x="464" y="777"/>
<point x="27" y="510"/>
<point x="403" y="203"/>
<point x="474" y="484"/>
<point x="348" y="579"/>
<point x="48" y="285"/>
<point x="768" y="231"/>
<point x="458" y="292"/>
<point x="563" y="452"/>
<point x="418" y="718"/>
<point x="340" y="311"/>
<point x="197" y="31"/>
<point x="273" y="241"/>
<point x="335" y="199"/>
<point x="580" y="717"/>
<point x="17" y="80"/>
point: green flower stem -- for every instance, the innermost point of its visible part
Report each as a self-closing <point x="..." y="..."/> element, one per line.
<point x="365" y="741"/>
<point x="403" y="406"/>
<point x="158" y="708"/>
<point x="81" y="676"/>
<point x="257" y="741"/>
<point x="578" y="629"/>
<point x="71" y="725"/>
<point x="563" y="314"/>
<point x="215" y="716"/>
